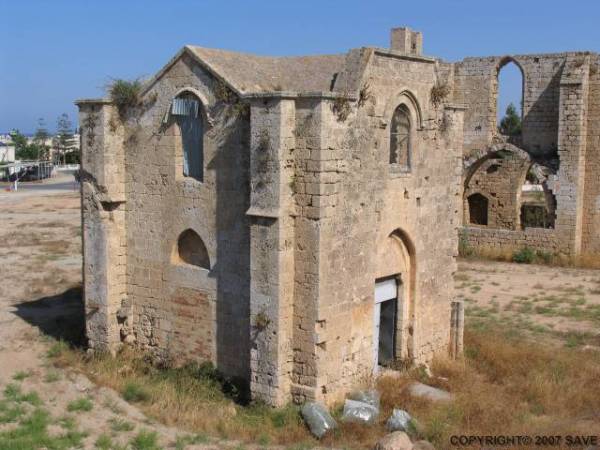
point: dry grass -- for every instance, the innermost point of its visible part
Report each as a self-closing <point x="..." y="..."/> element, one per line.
<point x="584" y="261"/>
<point x="504" y="385"/>
<point x="507" y="385"/>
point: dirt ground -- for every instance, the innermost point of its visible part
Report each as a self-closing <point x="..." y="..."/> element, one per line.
<point x="555" y="303"/>
<point x="40" y="303"/>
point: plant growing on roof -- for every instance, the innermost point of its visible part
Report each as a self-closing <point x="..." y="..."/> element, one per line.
<point x="439" y="92"/>
<point x="125" y="94"/>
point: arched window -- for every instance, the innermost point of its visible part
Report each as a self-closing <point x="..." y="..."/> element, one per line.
<point x="192" y="250"/>
<point x="478" y="209"/>
<point x="400" y="137"/>
<point x="187" y="110"/>
<point x="509" y="99"/>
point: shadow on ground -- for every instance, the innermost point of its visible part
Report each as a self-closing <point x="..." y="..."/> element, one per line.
<point x="61" y="316"/>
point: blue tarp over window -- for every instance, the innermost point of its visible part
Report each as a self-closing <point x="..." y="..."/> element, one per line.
<point x="190" y="124"/>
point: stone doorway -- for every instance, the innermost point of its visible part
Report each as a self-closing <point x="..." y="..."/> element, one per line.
<point x="385" y="321"/>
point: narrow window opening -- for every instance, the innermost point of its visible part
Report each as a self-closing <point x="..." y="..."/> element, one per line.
<point x="509" y="102"/>
<point x="400" y="145"/>
<point x="188" y="114"/>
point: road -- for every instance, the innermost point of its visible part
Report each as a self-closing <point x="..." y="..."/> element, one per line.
<point x="35" y="186"/>
<point x="61" y="183"/>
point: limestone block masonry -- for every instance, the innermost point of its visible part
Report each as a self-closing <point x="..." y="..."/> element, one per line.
<point x="560" y="136"/>
<point x="242" y="211"/>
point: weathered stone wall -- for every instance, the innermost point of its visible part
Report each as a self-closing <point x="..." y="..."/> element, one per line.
<point x="360" y="207"/>
<point x="476" y="85"/>
<point x="559" y="119"/>
<point x="591" y="201"/>
<point x="272" y="248"/>
<point x="500" y="180"/>
<point x="503" y="241"/>
<point x="104" y="225"/>
<point x="176" y="310"/>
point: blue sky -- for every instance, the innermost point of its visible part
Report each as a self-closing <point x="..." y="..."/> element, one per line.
<point x="52" y="52"/>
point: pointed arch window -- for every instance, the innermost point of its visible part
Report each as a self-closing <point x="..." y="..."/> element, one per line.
<point x="400" y="139"/>
<point x="191" y="249"/>
<point x="187" y="110"/>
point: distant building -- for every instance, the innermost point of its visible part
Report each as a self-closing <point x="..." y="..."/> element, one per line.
<point x="7" y="151"/>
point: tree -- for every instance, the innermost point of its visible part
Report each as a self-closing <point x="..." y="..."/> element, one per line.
<point x="510" y="125"/>
<point x="40" y="139"/>
<point x="65" y="140"/>
<point x="23" y="149"/>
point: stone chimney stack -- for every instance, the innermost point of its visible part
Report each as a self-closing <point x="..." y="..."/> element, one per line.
<point x="407" y="41"/>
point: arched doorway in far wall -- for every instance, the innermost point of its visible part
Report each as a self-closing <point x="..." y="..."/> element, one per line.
<point x="393" y="298"/>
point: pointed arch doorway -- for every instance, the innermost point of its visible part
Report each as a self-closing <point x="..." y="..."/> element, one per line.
<point x="392" y="328"/>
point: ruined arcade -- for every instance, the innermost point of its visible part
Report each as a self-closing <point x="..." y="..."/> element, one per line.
<point x="295" y="220"/>
<point x="539" y="189"/>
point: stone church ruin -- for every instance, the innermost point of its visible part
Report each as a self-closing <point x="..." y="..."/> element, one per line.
<point x="295" y="220"/>
<point x="540" y="189"/>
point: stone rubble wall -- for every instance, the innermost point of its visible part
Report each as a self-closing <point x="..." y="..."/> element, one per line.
<point x="501" y="241"/>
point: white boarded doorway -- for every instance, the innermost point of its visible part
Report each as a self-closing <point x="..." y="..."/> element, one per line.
<point x="384" y="321"/>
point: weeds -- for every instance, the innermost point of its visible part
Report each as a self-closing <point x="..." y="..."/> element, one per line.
<point x="341" y="108"/>
<point x="21" y="375"/>
<point x="145" y="440"/>
<point x="52" y="377"/>
<point x="438" y="94"/>
<point x="125" y="94"/>
<point x="104" y="442"/>
<point x="134" y="393"/>
<point x="524" y="256"/>
<point x="81" y="404"/>
<point x="118" y="425"/>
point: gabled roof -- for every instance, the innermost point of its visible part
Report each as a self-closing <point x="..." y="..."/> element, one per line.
<point x="249" y="73"/>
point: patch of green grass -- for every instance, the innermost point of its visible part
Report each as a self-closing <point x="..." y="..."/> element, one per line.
<point x="145" y="440"/>
<point x="263" y="439"/>
<point x="81" y="404"/>
<point x="104" y="442"/>
<point x="9" y="412"/>
<point x="52" y="377"/>
<point x="134" y="393"/>
<point x="67" y="422"/>
<point x="32" y="433"/>
<point x="524" y="256"/>
<point x="13" y="393"/>
<point x="120" y="425"/>
<point x="57" y="348"/>
<point x="193" y="439"/>
<point x="21" y="375"/>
